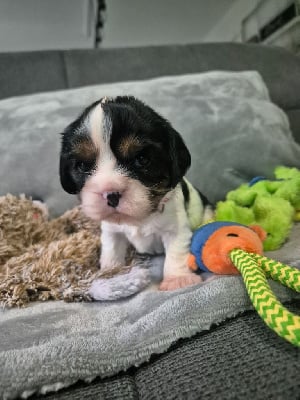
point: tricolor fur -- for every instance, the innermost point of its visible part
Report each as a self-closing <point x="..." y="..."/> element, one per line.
<point x="128" y="165"/>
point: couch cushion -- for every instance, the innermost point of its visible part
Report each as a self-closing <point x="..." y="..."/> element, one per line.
<point x="29" y="72"/>
<point x="24" y="72"/>
<point x="279" y="68"/>
<point x="224" y="118"/>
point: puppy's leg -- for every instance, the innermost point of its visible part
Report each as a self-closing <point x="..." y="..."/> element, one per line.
<point x="176" y="272"/>
<point x="208" y="214"/>
<point x="114" y="247"/>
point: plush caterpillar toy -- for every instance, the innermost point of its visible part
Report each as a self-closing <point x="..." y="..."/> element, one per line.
<point x="231" y="248"/>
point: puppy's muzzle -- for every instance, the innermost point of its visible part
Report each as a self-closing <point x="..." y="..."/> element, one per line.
<point x="113" y="199"/>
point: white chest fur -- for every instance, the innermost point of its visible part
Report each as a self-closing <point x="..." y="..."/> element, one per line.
<point x="161" y="231"/>
<point x="147" y="237"/>
<point x="144" y="241"/>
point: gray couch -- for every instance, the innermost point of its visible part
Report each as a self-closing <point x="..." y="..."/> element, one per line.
<point x="29" y="72"/>
<point x="240" y="358"/>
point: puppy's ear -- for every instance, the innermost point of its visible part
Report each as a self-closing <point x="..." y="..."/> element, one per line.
<point x="180" y="158"/>
<point x="66" y="179"/>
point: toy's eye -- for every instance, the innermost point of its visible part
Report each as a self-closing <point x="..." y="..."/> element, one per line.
<point x="232" y="235"/>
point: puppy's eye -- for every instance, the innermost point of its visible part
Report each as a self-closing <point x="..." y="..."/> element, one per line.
<point x="84" y="167"/>
<point x="141" y="161"/>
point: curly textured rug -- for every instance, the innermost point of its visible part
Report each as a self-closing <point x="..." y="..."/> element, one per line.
<point x="43" y="259"/>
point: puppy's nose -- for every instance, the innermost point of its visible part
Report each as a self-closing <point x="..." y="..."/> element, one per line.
<point x="113" y="199"/>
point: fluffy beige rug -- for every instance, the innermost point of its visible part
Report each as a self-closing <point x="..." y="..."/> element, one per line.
<point x="42" y="259"/>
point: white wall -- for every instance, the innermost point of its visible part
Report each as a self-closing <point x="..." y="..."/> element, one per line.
<point x="45" y="24"/>
<point x="228" y="28"/>
<point x="58" y="24"/>
<point x="154" y="22"/>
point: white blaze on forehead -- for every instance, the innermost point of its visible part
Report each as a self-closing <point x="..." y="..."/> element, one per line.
<point x="100" y="127"/>
<point x="96" y="119"/>
<point x="105" y="99"/>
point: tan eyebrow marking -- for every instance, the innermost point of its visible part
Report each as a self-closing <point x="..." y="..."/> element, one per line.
<point x="129" y="145"/>
<point x="85" y="149"/>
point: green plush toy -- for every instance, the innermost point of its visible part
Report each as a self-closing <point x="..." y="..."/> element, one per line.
<point x="273" y="205"/>
<point x="290" y="191"/>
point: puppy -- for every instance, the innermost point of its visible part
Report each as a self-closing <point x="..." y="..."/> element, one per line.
<point x="128" y="163"/>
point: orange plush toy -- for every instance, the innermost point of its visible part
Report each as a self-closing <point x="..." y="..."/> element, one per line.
<point x="231" y="248"/>
<point x="212" y="243"/>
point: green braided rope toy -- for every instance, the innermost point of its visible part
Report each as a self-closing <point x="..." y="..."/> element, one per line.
<point x="255" y="270"/>
<point x="231" y="248"/>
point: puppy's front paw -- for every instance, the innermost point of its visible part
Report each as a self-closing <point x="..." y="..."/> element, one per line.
<point x="110" y="263"/>
<point x="177" y="282"/>
<point x="106" y="267"/>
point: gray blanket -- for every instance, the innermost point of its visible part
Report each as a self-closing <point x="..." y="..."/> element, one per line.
<point x="48" y="346"/>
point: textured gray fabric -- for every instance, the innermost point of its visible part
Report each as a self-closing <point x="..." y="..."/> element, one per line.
<point x="28" y="72"/>
<point x="122" y="387"/>
<point x="51" y="345"/>
<point x="239" y="359"/>
<point x="224" y="118"/>
<point x="117" y="287"/>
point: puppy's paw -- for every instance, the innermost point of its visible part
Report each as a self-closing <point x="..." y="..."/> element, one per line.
<point x="107" y="267"/>
<point x="178" y="282"/>
<point x="107" y="264"/>
<point x="111" y="270"/>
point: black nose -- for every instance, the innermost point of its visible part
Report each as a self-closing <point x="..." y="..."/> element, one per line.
<point x="113" y="199"/>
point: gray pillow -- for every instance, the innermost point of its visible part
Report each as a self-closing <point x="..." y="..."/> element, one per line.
<point x="232" y="129"/>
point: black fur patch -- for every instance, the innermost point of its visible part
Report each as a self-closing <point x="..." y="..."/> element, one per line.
<point x="185" y="192"/>
<point x="75" y="165"/>
<point x="186" y="195"/>
<point x="161" y="158"/>
<point x="204" y="199"/>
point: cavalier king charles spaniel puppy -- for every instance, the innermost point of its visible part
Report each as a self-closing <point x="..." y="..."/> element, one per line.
<point x="127" y="163"/>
